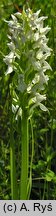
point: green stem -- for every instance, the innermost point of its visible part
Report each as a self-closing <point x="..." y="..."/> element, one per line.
<point x="14" y="194"/>
<point x="30" y="174"/>
<point x="25" y="157"/>
<point x="52" y="132"/>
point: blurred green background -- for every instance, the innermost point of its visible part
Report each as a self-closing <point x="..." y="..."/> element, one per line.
<point x="44" y="124"/>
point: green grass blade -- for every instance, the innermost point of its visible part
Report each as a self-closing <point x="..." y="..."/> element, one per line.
<point x="25" y="157"/>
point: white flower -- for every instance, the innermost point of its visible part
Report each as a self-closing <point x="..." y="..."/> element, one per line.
<point x="8" y="58"/>
<point x="9" y="70"/>
<point x="11" y="46"/>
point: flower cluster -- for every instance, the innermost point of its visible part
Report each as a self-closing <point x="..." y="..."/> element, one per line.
<point x="28" y="56"/>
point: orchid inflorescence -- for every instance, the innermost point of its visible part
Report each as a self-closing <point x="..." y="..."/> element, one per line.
<point x="28" y="54"/>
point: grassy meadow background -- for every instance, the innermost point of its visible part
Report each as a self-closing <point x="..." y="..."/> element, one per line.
<point x="44" y="124"/>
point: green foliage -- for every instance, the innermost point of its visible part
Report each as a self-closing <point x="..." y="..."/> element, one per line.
<point x="44" y="125"/>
